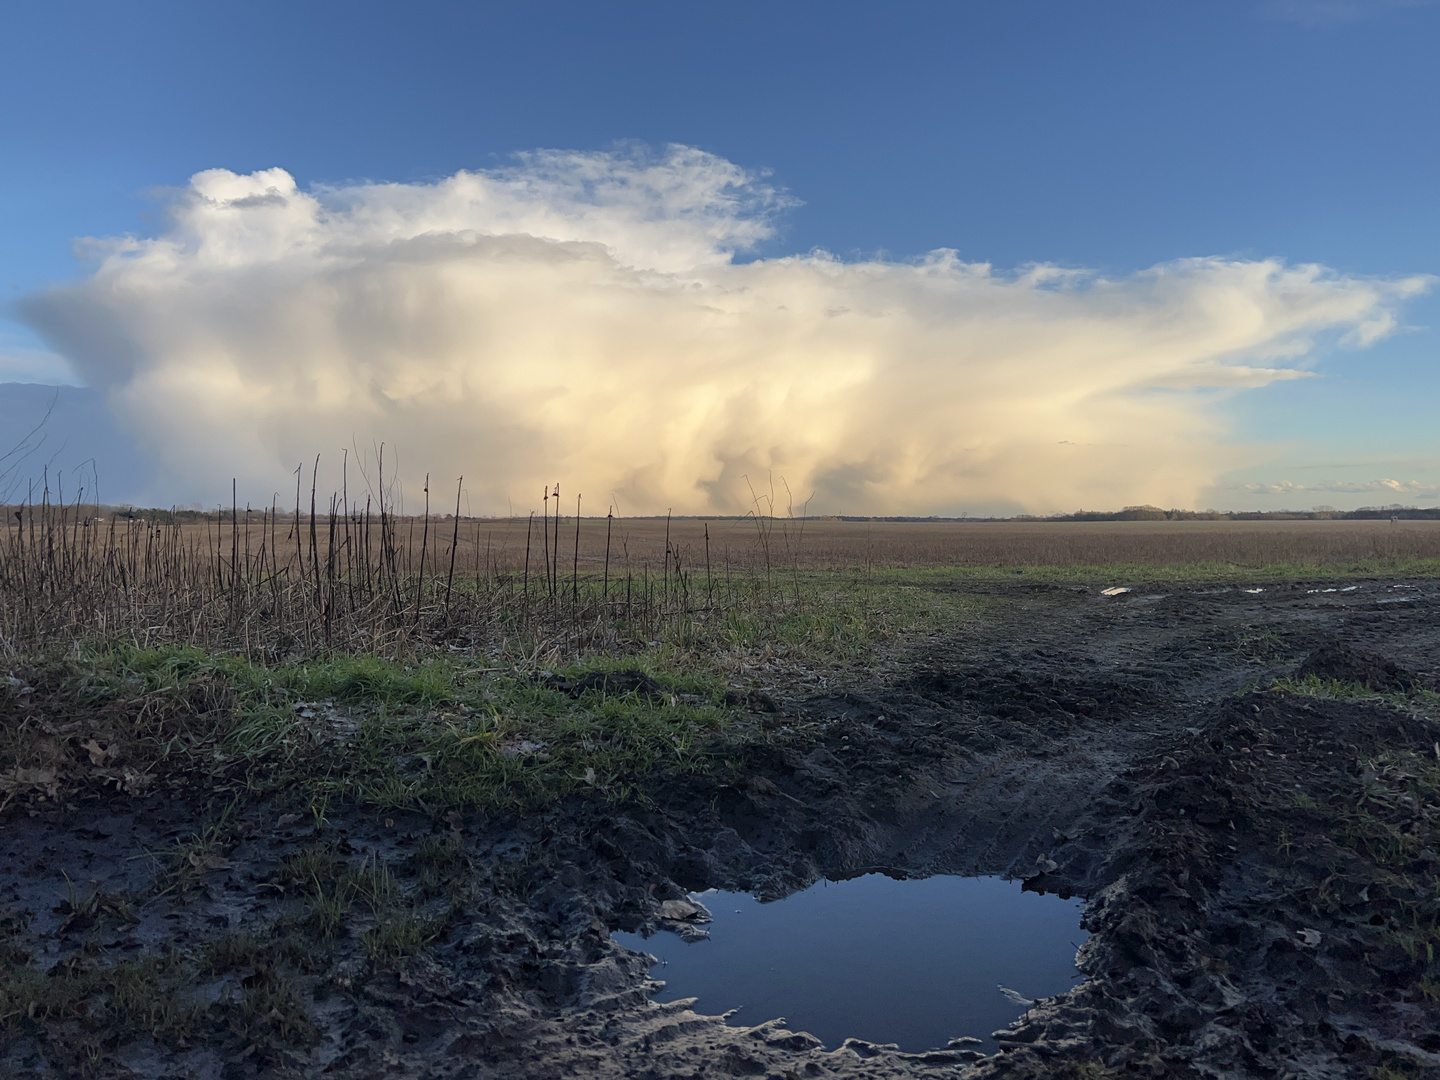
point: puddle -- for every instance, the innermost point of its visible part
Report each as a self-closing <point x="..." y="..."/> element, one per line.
<point x="916" y="962"/>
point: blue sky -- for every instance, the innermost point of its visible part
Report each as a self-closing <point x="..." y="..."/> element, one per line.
<point x="1109" y="136"/>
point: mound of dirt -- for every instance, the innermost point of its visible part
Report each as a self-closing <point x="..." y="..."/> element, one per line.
<point x="1342" y="664"/>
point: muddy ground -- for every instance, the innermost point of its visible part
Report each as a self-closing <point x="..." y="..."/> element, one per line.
<point x="1260" y="867"/>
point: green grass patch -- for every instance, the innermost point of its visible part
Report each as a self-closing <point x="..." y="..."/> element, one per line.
<point x="1313" y="686"/>
<point x="120" y="1000"/>
<point x="518" y="744"/>
<point x="438" y="729"/>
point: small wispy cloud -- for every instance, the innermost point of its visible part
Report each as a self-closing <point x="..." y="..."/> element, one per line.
<point x="1348" y="487"/>
<point x="1331" y="12"/>
<point x="19" y="365"/>
<point x="1214" y="375"/>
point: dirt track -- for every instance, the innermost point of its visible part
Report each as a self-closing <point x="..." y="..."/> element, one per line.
<point x="1259" y="867"/>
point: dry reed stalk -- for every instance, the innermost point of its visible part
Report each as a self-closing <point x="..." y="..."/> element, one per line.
<point x="424" y="541"/>
<point x="545" y="535"/>
<point x="555" y="550"/>
<point x="454" y="544"/>
<point x="575" y="570"/>
<point x="609" y="521"/>
<point x="529" y="524"/>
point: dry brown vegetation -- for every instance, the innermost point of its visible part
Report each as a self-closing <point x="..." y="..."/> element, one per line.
<point x="361" y="580"/>
<point x="364" y="579"/>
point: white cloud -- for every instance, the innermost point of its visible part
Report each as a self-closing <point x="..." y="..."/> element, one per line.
<point x="581" y="316"/>
<point x="1349" y="487"/>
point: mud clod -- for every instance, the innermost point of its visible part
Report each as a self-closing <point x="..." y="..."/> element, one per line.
<point x="1336" y="662"/>
<point x="613" y="683"/>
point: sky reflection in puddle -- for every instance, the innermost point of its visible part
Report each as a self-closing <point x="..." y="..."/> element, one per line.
<point x="915" y="962"/>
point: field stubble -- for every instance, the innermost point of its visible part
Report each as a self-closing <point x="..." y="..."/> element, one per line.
<point x="279" y="585"/>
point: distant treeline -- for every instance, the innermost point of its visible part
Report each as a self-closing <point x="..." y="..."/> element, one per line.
<point x="1154" y="513"/>
<point x="192" y="515"/>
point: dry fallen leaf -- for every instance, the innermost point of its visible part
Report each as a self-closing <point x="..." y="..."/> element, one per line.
<point x="98" y="754"/>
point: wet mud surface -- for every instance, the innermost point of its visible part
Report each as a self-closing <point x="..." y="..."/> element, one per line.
<point x="1259" y="867"/>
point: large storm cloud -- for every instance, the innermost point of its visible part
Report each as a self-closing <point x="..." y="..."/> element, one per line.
<point x="593" y="317"/>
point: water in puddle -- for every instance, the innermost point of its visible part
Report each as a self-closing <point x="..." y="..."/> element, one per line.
<point x="915" y="962"/>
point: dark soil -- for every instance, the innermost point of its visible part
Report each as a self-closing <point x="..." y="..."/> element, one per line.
<point x="1260" y="866"/>
<point x="1336" y="661"/>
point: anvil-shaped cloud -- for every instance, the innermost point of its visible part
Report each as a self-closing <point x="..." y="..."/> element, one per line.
<point x="585" y="316"/>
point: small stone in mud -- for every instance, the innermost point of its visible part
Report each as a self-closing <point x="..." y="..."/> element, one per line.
<point x="755" y="700"/>
<point x="524" y="748"/>
<point x="683" y="911"/>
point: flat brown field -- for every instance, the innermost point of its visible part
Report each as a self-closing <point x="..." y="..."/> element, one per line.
<point x="830" y="544"/>
<point x="638" y="545"/>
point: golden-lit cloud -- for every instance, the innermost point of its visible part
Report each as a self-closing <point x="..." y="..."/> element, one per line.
<point x="592" y="317"/>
